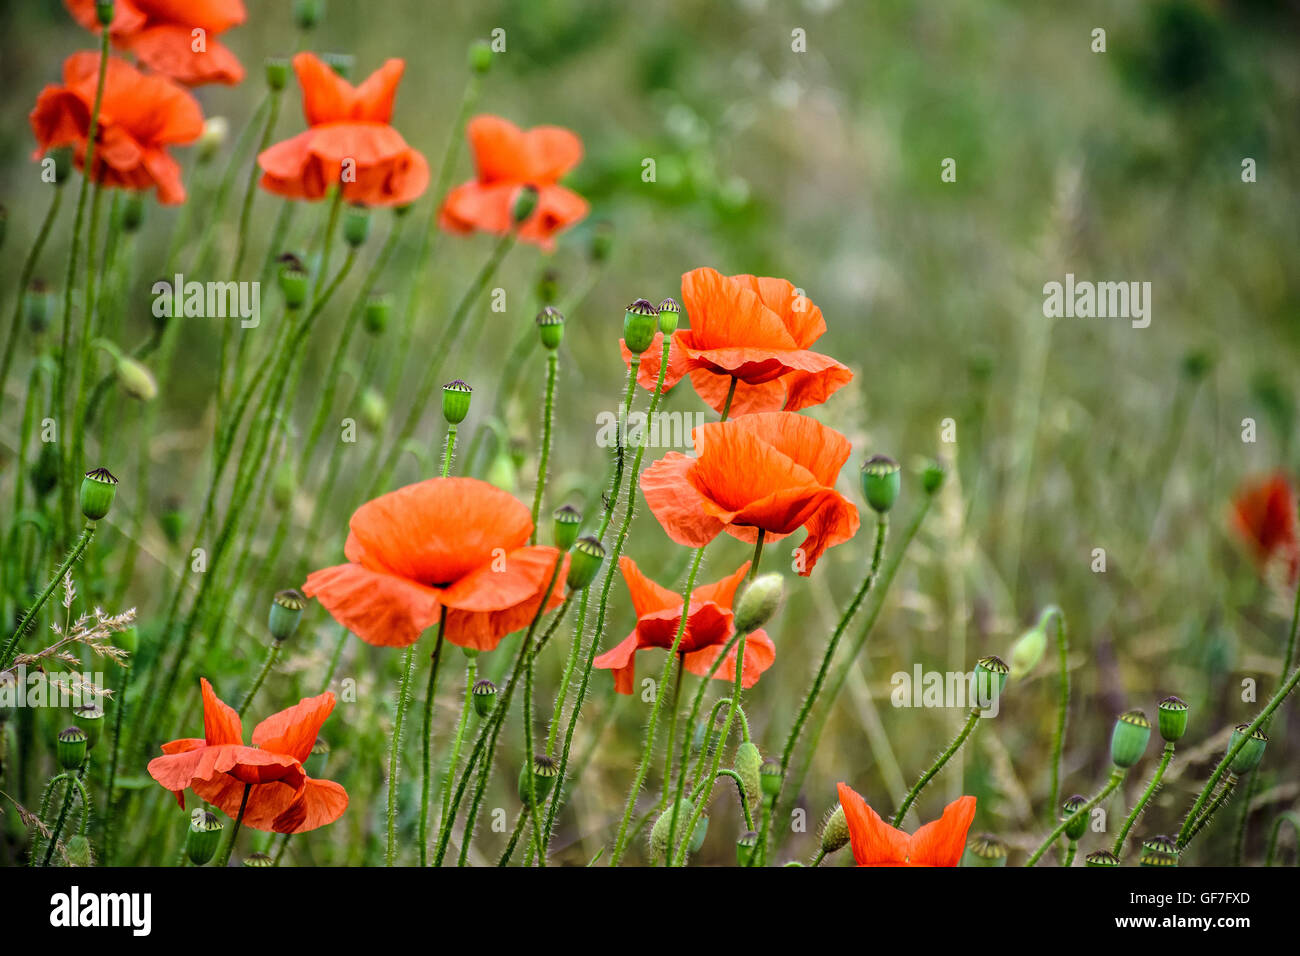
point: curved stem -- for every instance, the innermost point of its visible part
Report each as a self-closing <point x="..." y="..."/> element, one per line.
<point x="552" y="367"/>
<point x="1147" y="794"/>
<point x="1116" y="778"/>
<point x="944" y="757"/>
<point x="24" y="280"/>
<point x="1291" y="818"/>
<point x="1229" y="786"/>
<point x="87" y="533"/>
<point x="272" y="655"/>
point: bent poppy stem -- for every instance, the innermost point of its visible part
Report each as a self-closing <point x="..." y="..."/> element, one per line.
<point x="552" y="369"/>
<point x="394" y="753"/>
<point x="78" y="549"/>
<point x="239" y="821"/>
<point x="1116" y="778"/>
<point x="1147" y="794"/>
<point x="426" y="777"/>
<point x="272" y="655"/>
<point x="24" y="280"/>
<point x="971" y="722"/>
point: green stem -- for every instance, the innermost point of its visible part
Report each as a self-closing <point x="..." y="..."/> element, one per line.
<point x="449" y="449"/>
<point x="471" y="673"/>
<point x="1229" y="787"/>
<point x="935" y="767"/>
<point x="1293" y="820"/>
<point x="1062" y="708"/>
<point x="731" y="394"/>
<point x="394" y="753"/>
<point x="1070" y="852"/>
<point x="24" y="280"/>
<point x="239" y="821"/>
<point x="268" y="663"/>
<point x="426" y="777"/>
<point x="1147" y="794"/>
<point x="87" y="533"/>
<point x="552" y="367"/>
<point x="1116" y="778"/>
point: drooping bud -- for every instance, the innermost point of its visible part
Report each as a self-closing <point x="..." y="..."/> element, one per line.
<point x="90" y="718"/>
<point x="1101" y="858"/>
<point x="881" y="479"/>
<point x="544" y="771"/>
<point x="670" y="313"/>
<point x="379" y="308"/>
<point x="585" y="559"/>
<point x="523" y="204"/>
<point x="567" y="521"/>
<point x="985" y="849"/>
<point x="70" y="747"/>
<point x="307" y="13"/>
<point x="835" y="830"/>
<point x="136" y="379"/>
<point x="480" y="56"/>
<point x="745" y="844"/>
<point x="758" y="602"/>
<point x="293" y="280"/>
<point x="1128" y="741"/>
<point x="1159" y="851"/>
<point x="485" y="696"/>
<point x="1029" y="649"/>
<point x="749" y="768"/>
<point x="374" y="409"/>
<point x="550" y="323"/>
<point x="769" y="778"/>
<point x="277" y="72"/>
<point x="659" y="832"/>
<point x="640" y="322"/>
<point x="990" y="678"/>
<point x="203" y="837"/>
<point x="98" y="489"/>
<point x="1171" y="718"/>
<point x="455" y="401"/>
<point x="286" y="612"/>
<point x="1251" y="753"/>
<point x="701" y="829"/>
<point x="932" y="478"/>
<point x="77" y="850"/>
<point x="36" y="306"/>
<point x="258" y="859"/>
<point x="213" y="137"/>
<point x="1079" y="824"/>
<point x="356" y="225"/>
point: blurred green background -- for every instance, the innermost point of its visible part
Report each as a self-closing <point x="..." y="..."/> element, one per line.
<point x="824" y="167"/>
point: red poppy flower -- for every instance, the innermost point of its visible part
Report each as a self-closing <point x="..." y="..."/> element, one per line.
<point x="774" y="470"/>
<point x="753" y="329"/>
<point x="457" y="543"/>
<point x="349" y="141"/>
<point x="708" y="628"/>
<point x="508" y="159"/>
<point x="876" y="843"/>
<point x="174" y="37"/>
<point x="140" y="116"/>
<point x="1264" y="515"/>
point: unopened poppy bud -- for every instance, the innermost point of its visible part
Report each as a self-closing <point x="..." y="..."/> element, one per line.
<point x="701" y="830"/>
<point x="1028" y="650"/>
<point x="203" y="837"/>
<point x="640" y="322"/>
<point x="1159" y="851"/>
<point x="90" y="718"/>
<point x="136" y="379"/>
<point x="258" y="859"/>
<point x="567" y="521"/>
<point x="455" y="401"/>
<point x="77" y="850"/>
<point x="356" y="225"/>
<point x="480" y="56"/>
<point x="1101" y="858"/>
<point x="659" y="832"/>
<point x="670" y="313"/>
<point x="283" y="484"/>
<point x="1171" y="718"/>
<point x="1079" y="824"/>
<point x="485" y="696"/>
<point x="277" y="72"/>
<point x="379" y="309"/>
<point x="98" y="489"/>
<point x="286" y="612"/>
<point x="835" y="830"/>
<point x="758" y="602"/>
<point x="1128" y="741"/>
<point x="215" y="130"/>
<point x="104" y="12"/>
<point x="307" y="13"/>
<point x="523" y="204"/>
<point x="132" y="212"/>
<point x="769" y="778"/>
<point x="585" y="559"/>
<point x="881" y="478"/>
<point x="749" y="768"/>
<point x="70" y="747"/>
<point x="293" y="280"/>
<point x="550" y="323"/>
<point x="374" y="410"/>
<point x="1251" y="753"/>
<point x="990" y="678"/>
<point x="62" y="157"/>
<point x="745" y="844"/>
<point x="45" y="472"/>
<point x="36" y="306"/>
<point x="602" y="241"/>
<point x="986" y="850"/>
<point x="544" y="772"/>
<point x="932" y="478"/>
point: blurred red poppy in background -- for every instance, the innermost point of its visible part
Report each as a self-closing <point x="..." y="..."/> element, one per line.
<point x="876" y="843"/>
<point x="140" y="116"/>
<point x="1264" y="515"/>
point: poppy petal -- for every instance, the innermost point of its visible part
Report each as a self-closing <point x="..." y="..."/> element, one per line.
<point x="506" y="582"/>
<point x="621" y="660"/>
<point x="678" y="506"/>
<point x="873" y="840"/>
<point x="941" y="842"/>
<point x="293" y="731"/>
<point x="647" y="595"/>
<point x="760" y="654"/>
<point x="221" y="723"/>
<point x="381" y="609"/>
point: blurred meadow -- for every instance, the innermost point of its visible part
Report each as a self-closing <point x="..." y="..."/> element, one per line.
<point x="1061" y="436"/>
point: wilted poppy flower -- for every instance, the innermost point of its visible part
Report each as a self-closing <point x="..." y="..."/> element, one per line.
<point x="218" y="766"/>
<point x="774" y="470"/>
<point x="752" y="329"/>
<point x="174" y="37"/>
<point x="708" y="628"/>
<point x="509" y="159"/>
<point x="349" y="141"/>
<point x="1264" y="515"/>
<point x="876" y="843"/>
<point x="457" y="543"/>
<point x="140" y="116"/>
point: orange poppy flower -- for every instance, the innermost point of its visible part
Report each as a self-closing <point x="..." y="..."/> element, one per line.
<point x="140" y="116"/>
<point x="1264" y="515"/>
<point x="773" y="471"/>
<point x="876" y="843"/>
<point x="164" y="34"/>
<point x="754" y="329"/>
<point x="348" y="141"/>
<point x="457" y="543"/>
<point x="508" y="159"/>
<point x="708" y="628"/>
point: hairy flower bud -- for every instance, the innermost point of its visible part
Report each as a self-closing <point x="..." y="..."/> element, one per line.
<point x="835" y="830"/>
<point x="524" y="203"/>
<point x="758" y="602"/>
<point x="748" y="767"/>
<point x="136" y="379"/>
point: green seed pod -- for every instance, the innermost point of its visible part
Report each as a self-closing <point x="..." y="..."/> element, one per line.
<point x="98" y="489"/>
<point x="881" y="480"/>
<point x="670" y="313"/>
<point x="985" y="850"/>
<point x="1072" y="806"/>
<point x="36" y="306"/>
<point x="455" y="401"/>
<point x="480" y="56"/>
<point x="90" y="718"/>
<point x="659" y="832"/>
<point x="749" y="767"/>
<point x="990" y="679"/>
<point x="286" y="612"/>
<point x="374" y="410"/>
<point x="1249" y="756"/>
<point x="758" y="602"/>
<point x="1101" y="858"/>
<point x="283" y="484"/>
<point x="1128" y="741"/>
<point x="835" y="830"/>
<point x="585" y="559"/>
<point x="77" y="850"/>
<point x="745" y="844"/>
<point x="1171" y="718"/>
<point x="132" y="212"/>
<point x="544" y="770"/>
<point x="277" y="72"/>
<point x="104" y="12"/>
<point x="62" y="157"/>
<point x="45" y="470"/>
<point x="70" y="747"/>
<point x="258" y="859"/>
<point x="356" y="225"/>
<point x="602" y="241"/>
<point x="932" y="478"/>
<point x="550" y="324"/>
<point x="135" y="379"/>
<point x="292" y="278"/>
<point x="485" y="697"/>
<point x="307" y="13"/>
<point x="769" y="778"/>
<point x="1159" y="851"/>
<point x="523" y="204"/>
<point x="640" y="322"/>
<point x="379" y="309"/>
<point x="203" y="837"/>
<point x="318" y="758"/>
<point x="1028" y="650"/>
<point x="567" y="520"/>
